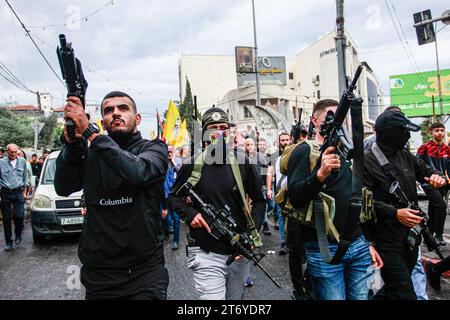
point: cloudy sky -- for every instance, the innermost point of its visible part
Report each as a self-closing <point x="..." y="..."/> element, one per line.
<point x="134" y="45"/>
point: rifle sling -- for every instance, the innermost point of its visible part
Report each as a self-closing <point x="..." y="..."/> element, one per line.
<point x="352" y="218"/>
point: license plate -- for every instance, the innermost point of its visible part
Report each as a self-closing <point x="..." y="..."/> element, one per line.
<point x="72" y="220"/>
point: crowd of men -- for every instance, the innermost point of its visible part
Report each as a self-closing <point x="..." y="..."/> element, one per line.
<point x="136" y="192"/>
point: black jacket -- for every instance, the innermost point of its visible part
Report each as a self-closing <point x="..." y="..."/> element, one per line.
<point x="387" y="232"/>
<point x="123" y="188"/>
<point x="218" y="187"/>
<point x="304" y="186"/>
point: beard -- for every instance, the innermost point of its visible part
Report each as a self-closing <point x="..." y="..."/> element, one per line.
<point x="119" y="134"/>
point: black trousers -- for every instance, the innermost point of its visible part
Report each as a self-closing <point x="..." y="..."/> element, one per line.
<point x="443" y="265"/>
<point x="437" y="209"/>
<point x="297" y="254"/>
<point x="149" y="283"/>
<point x="12" y="205"/>
<point x="396" y="274"/>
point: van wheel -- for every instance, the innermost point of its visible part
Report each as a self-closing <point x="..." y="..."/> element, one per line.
<point x="38" y="238"/>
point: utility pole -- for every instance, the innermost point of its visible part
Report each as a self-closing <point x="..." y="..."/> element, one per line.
<point x="438" y="71"/>
<point x="258" y="94"/>
<point x="340" y="45"/>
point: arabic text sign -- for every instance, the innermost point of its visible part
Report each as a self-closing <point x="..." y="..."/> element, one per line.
<point x="413" y="92"/>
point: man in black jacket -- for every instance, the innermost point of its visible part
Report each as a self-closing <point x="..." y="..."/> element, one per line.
<point x="332" y="176"/>
<point x="122" y="176"/>
<point x="218" y="185"/>
<point x="391" y="227"/>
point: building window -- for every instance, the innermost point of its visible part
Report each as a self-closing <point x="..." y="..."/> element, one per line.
<point x="318" y="94"/>
<point x="372" y="100"/>
<point x="291" y="76"/>
<point x="294" y="111"/>
<point x="247" y="113"/>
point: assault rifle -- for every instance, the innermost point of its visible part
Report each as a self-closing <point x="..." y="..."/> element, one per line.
<point x="72" y="73"/>
<point x="224" y="228"/>
<point x="332" y="130"/>
<point x="311" y="129"/>
<point x="413" y="239"/>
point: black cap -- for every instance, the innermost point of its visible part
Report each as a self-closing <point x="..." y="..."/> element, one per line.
<point x="214" y="115"/>
<point x="392" y="119"/>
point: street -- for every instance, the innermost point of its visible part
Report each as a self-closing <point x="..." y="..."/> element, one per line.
<point x="50" y="270"/>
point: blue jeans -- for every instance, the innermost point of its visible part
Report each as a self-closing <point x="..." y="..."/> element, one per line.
<point x="419" y="279"/>
<point x="173" y="216"/>
<point x="281" y="224"/>
<point x="272" y="205"/>
<point x="348" y="280"/>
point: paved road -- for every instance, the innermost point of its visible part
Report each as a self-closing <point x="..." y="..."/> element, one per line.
<point x="48" y="270"/>
<point x="43" y="271"/>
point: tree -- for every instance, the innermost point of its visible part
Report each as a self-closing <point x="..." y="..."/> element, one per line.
<point x="57" y="136"/>
<point x="15" y="129"/>
<point x="187" y="109"/>
<point x="47" y="134"/>
<point x="425" y="132"/>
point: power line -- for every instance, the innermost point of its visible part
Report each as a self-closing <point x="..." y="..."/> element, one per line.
<point x="85" y="18"/>
<point x="9" y="76"/>
<point x="404" y="36"/>
<point x="17" y="47"/>
<point x="401" y="41"/>
<point x="140" y="92"/>
<point x="37" y="47"/>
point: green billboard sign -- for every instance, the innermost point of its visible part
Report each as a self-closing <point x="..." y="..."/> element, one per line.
<point x="414" y="92"/>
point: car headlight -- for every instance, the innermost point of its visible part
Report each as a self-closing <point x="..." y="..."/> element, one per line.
<point x="41" y="202"/>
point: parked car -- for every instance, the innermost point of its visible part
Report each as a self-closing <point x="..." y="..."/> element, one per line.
<point x="51" y="214"/>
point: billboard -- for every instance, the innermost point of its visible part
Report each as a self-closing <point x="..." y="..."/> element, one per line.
<point x="413" y="92"/>
<point x="272" y="70"/>
<point x="245" y="62"/>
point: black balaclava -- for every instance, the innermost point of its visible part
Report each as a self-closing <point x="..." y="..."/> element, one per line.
<point x="394" y="139"/>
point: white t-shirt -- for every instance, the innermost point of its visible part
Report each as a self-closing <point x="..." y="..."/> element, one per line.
<point x="278" y="175"/>
<point x="13" y="163"/>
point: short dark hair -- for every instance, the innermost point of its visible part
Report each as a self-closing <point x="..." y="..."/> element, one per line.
<point x="283" y="134"/>
<point x="392" y="108"/>
<point x="120" y="94"/>
<point x="321" y="105"/>
<point x="436" y="125"/>
<point x="34" y="155"/>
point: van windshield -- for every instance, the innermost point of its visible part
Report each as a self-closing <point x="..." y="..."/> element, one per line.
<point x="49" y="172"/>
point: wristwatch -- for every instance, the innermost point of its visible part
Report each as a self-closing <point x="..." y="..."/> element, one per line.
<point x="91" y="129"/>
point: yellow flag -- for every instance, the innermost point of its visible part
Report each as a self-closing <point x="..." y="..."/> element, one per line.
<point x="181" y="136"/>
<point x="99" y="123"/>
<point x="171" y="119"/>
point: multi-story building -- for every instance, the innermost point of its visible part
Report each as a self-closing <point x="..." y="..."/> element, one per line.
<point x="310" y="76"/>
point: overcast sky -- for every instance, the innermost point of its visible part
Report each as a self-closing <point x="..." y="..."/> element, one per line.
<point x="135" y="45"/>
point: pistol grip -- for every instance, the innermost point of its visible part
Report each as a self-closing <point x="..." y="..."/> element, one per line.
<point x="70" y="126"/>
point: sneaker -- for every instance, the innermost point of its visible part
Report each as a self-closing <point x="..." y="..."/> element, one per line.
<point x="440" y="240"/>
<point x="283" y="249"/>
<point x="248" y="282"/>
<point x="18" y="239"/>
<point x="266" y="229"/>
<point x="433" y="277"/>
<point x="8" y="247"/>
<point x="175" y="246"/>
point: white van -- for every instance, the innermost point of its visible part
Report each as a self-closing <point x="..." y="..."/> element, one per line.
<point x="53" y="215"/>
